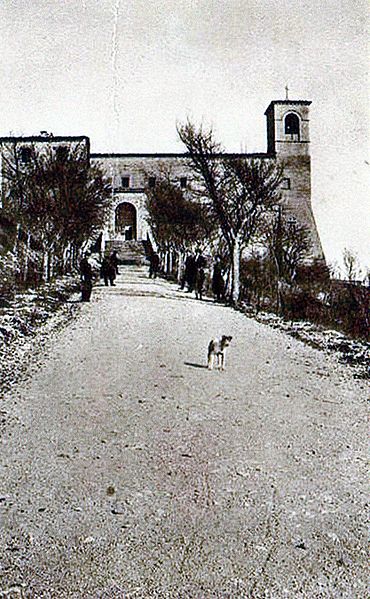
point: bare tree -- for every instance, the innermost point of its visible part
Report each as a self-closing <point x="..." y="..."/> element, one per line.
<point x="176" y="221"/>
<point x="288" y="244"/>
<point x="352" y="266"/>
<point x="57" y="199"/>
<point x="238" y="191"/>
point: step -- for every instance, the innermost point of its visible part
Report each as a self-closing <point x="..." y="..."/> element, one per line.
<point x="128" y="252"/>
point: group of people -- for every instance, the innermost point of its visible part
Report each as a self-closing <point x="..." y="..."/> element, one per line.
<point x="108" y="272"/>
<point x="109" y="269"/>
<point x="194" y="276"/>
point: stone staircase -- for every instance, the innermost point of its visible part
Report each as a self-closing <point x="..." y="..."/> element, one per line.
<point x="129" y="252"/>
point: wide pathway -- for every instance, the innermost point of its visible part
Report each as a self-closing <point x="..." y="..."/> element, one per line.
<point x="130" y="470"/>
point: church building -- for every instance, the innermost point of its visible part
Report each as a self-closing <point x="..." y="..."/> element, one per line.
<point x="288" y="142"/>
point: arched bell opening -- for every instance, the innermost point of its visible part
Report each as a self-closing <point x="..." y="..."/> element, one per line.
<point x="292" y="126"/>
<point x="125" y="223"/>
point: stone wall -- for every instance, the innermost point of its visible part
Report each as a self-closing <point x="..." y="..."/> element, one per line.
<point x="138" y="169"/>
<point x="129" y="173"/>
<point x="15" y="149"/>
<point x="297" y="199"/>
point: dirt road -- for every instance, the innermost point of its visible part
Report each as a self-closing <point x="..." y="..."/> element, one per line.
<point x="130" y="470"/>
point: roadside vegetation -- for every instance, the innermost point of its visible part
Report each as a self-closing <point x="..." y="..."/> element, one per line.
<point x="52" y="209"/>
<point x="53" y="205"/>
<point x="177" y="222"/>
<point x="234" y="209"/>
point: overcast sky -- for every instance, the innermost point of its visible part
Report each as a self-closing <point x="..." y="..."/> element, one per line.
<point x="124" y="72"/>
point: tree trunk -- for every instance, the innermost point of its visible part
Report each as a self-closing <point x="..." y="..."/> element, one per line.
<point x="75" y="250"/>
<point x="51" y="265"/>
<point x="49" y="262"/>
<point x="170" y="261"/>
<point x="16" y="240"/>
<point x="26" y="257"/>
<point x="235" y="289"/>
<point x="66" y="259"/>
<point x="180" y="266"/>
<point x="167" y="261"/>
<point x="278" y="295"/>
<point x="46" y="266"/>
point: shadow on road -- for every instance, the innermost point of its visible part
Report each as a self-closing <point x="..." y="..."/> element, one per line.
<point x="195" y="365"/>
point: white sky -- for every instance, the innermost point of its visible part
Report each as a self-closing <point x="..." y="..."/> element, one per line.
<point x="124" y="72"/>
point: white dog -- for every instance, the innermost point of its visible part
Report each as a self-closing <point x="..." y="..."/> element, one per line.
<point x="216" y="352"/>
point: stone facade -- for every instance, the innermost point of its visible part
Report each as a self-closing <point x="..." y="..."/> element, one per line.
<point x="19" y="150"/>
<point x="287" y="143"/>
<point x="129" y="175"/>
<point x="42" y="143"/>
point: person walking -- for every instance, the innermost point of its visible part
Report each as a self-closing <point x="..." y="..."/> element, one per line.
<point x="86" y="275"/>
<point x="191" y="273"/>
<point x="114" y="261"/>
<point x="201" y="275"/>
<point x="112" y="271"/>
<point x="106" y="270"/>
<point x="218" y="283"/>
<point x="154" y="265"/>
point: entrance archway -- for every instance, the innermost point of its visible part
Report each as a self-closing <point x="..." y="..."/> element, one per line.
<point x="125" y="221"/>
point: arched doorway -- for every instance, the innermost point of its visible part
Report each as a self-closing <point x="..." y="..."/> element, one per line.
<point x="125" y="221"/>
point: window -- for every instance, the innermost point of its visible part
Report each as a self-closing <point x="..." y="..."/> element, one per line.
<point x="26" y="155"/>
<point x="183" y="182"/>
<point x="292" y="224"/>
<point x="125" y="181"/>
<point x="151" y="182"/>
<point x="61" y="153"/>
<point x="291" y="124"/>
<point x="285" y="184"/>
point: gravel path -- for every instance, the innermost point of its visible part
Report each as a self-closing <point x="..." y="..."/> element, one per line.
<point x="130" y="470"/>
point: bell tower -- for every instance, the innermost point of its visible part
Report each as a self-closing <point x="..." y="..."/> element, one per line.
<point x="288" y="131"/>
<point x="288" y="142"/>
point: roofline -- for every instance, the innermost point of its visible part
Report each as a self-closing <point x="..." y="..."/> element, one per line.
<point x="184" y="155"/>
<point x="287" y="102"/>
<point x="136" y="155"/>
<point x="44" y="138"/>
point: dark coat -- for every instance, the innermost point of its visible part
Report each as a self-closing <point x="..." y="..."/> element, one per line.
<point x="201" y="276"/>
<point x="201" y="262"/>
<point x="190" y="270"/>
<point x="154" y="262"/>
<point x="108" y="269"/>
<point x="114" y="261"/>
<point x="86" y="270"/>
<point x="218" y="283"/>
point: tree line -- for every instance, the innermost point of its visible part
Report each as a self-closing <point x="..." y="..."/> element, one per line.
<point x="233" y="205"/>
<point x="234" y="208"/>
<point x="56" y="203"/>
<point x="53" y="203"/>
